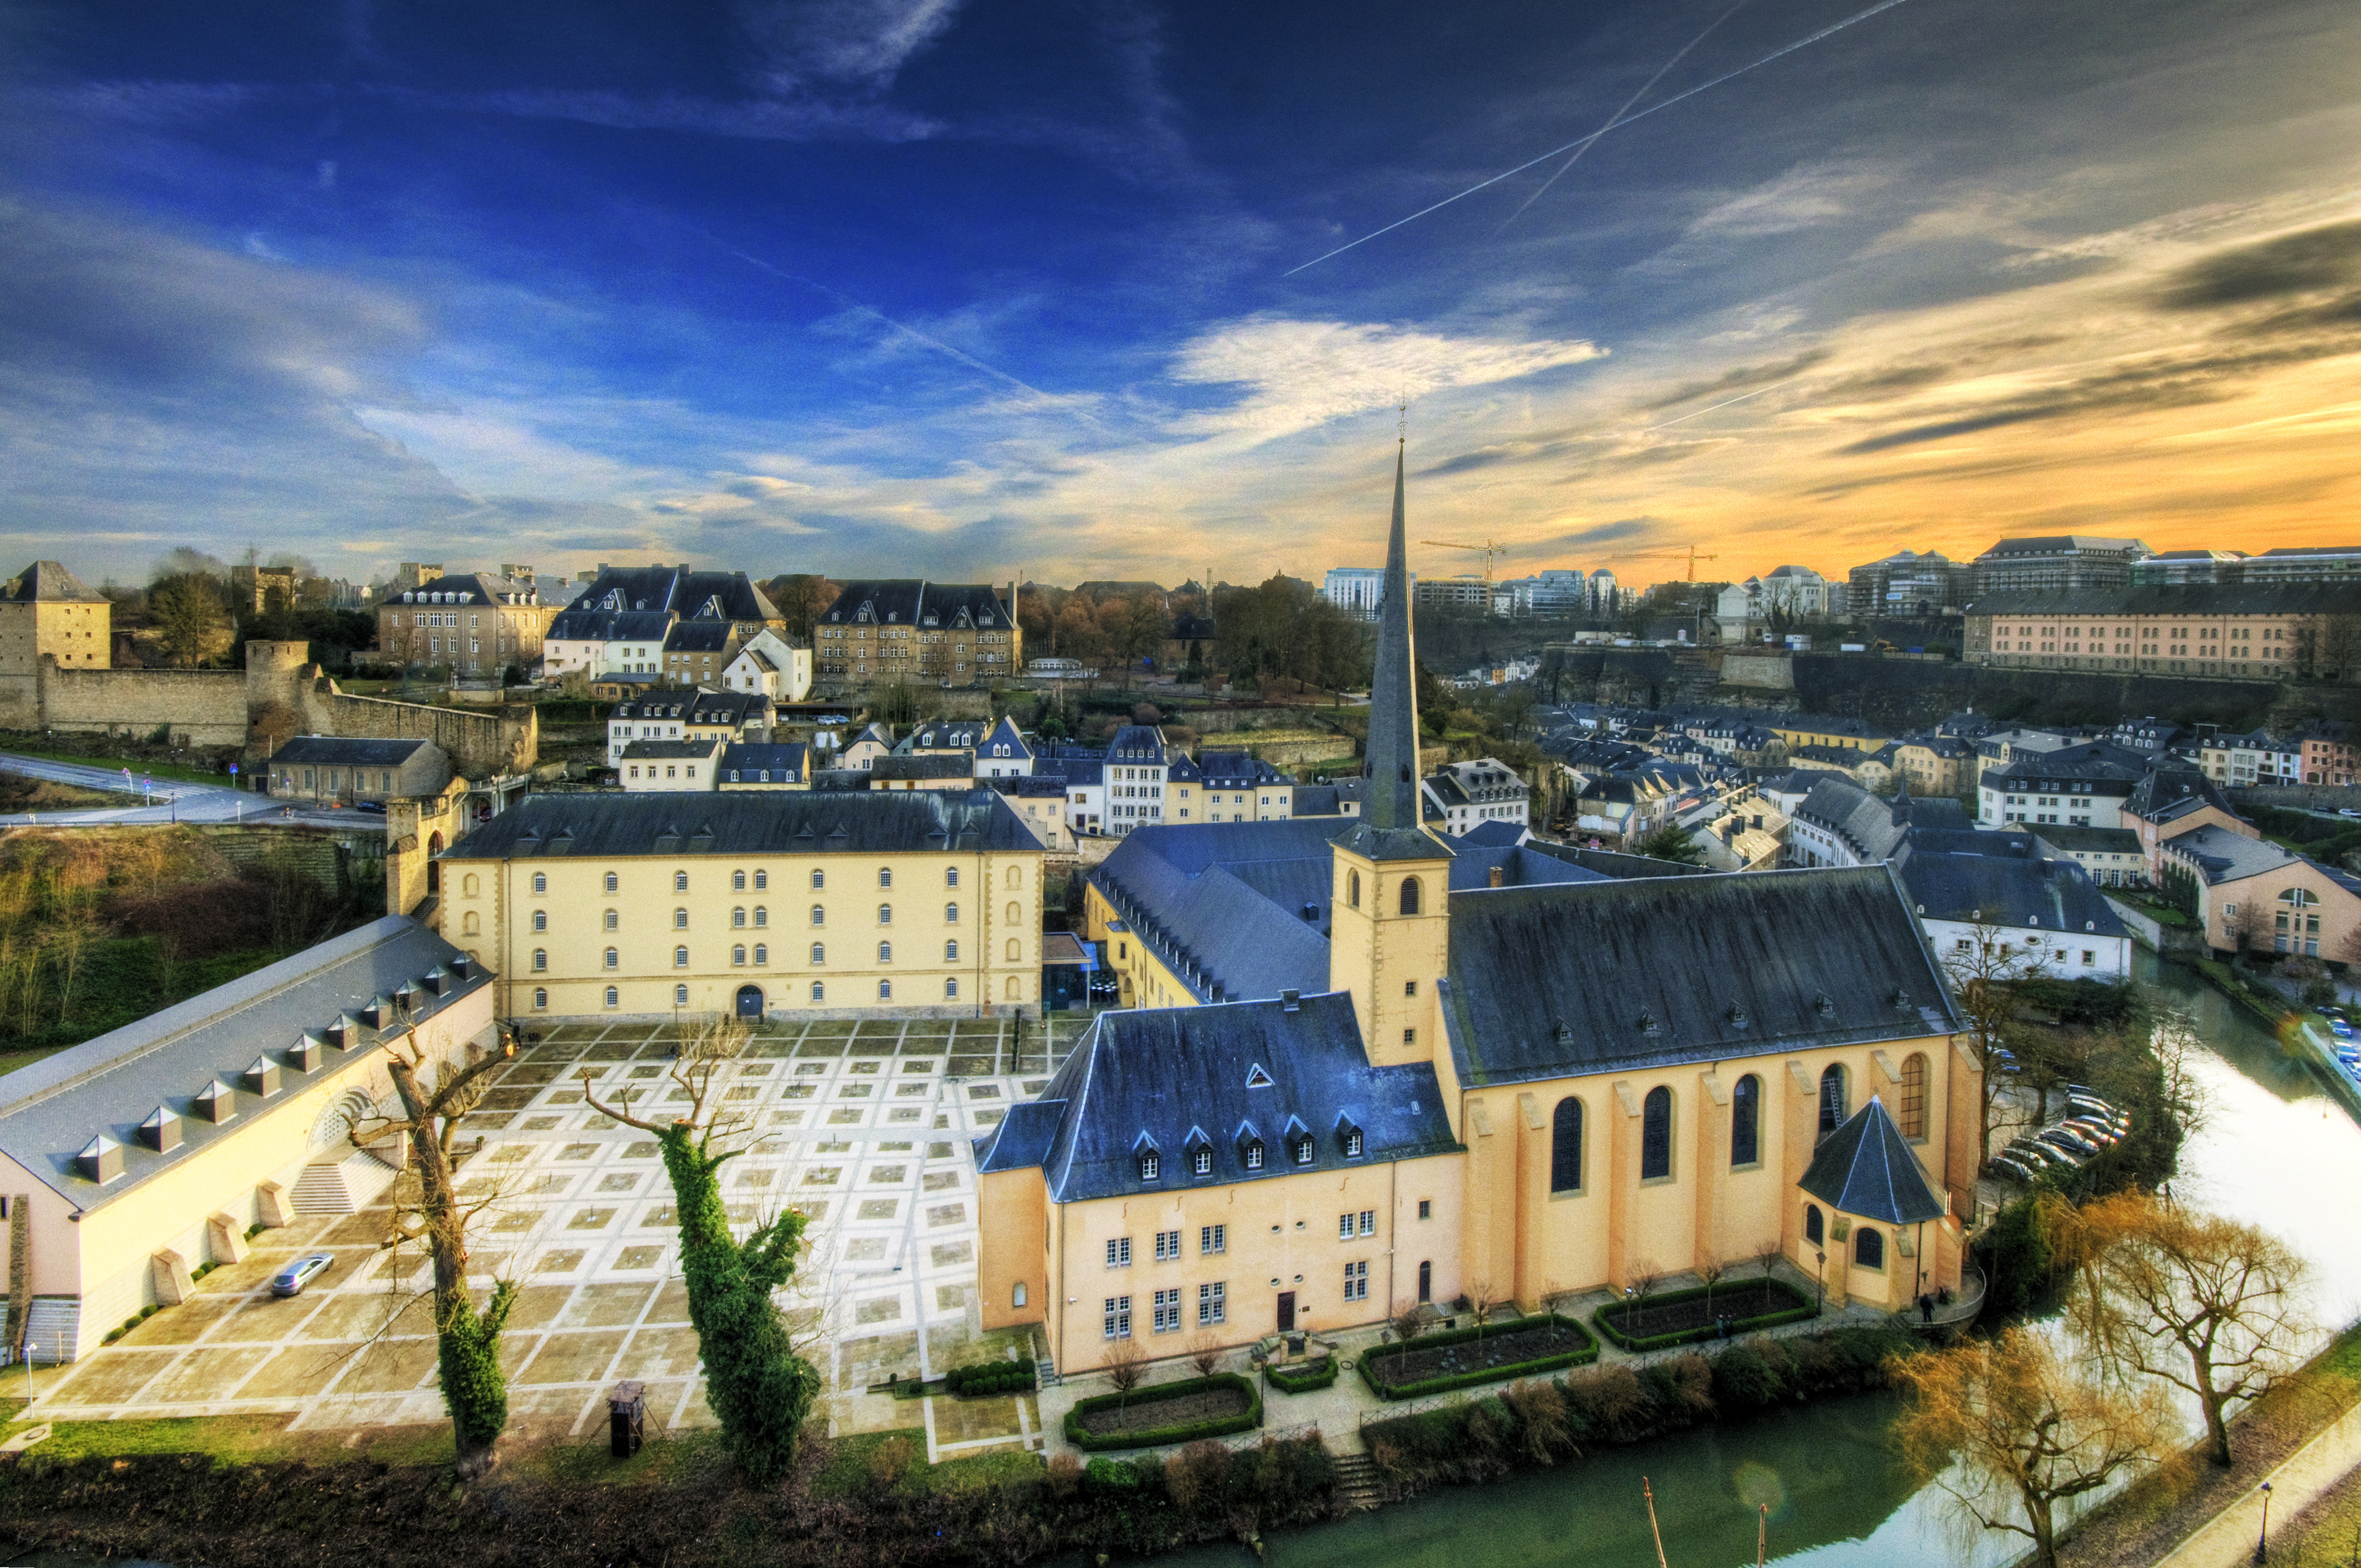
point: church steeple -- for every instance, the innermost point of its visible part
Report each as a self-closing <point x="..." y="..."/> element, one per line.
<point x="1392" y="801"/>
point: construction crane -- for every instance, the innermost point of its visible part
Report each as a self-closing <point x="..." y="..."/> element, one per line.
<point x="1691" y="554"/>
<point x="1488" y="549"/>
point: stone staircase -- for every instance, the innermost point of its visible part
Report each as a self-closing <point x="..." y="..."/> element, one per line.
<point x="321" y="1190"/>
<point x="1359" y="1483"/>
<point x="1046" y="1372"/>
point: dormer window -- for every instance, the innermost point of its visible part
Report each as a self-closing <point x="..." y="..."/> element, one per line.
<point x="1253" y="1152"/>
<point x="1150" y="1166"/>
<point x="1201" y="1161"/>
<point x="1256" y="1077"/>
<point x="1303" y="1150"/>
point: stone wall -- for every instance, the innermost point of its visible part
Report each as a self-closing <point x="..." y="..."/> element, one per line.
<point x="1289" y="755"/>
<point x="1774" y="672"/>
<point x="206" y="707"/>
<point x="2299" y="797"/>
<point x="507" y="741"/>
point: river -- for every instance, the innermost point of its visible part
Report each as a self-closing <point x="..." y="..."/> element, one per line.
<point x="2275" y="1149"/>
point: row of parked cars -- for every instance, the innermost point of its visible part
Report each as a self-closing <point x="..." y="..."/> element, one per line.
<point x="2090" y="1127"/>
<point x="2347" y="1048"/>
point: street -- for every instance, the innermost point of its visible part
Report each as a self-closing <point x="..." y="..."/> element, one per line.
<point x="174" y="801"/>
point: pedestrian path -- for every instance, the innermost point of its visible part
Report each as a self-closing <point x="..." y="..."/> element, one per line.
<point x="2230" y="1536"/>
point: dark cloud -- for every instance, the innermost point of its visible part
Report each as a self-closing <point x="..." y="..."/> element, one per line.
<point x="1605" y="533"/>
<point x="1737" y="379"/>
<point x="1886" y="381"/>
<point x="2324" y="257"/>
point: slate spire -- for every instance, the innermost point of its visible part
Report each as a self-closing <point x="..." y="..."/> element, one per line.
<point x="1392" y="801"/>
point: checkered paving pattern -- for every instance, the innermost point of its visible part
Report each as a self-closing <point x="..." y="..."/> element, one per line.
<point x="862" y="1125"/>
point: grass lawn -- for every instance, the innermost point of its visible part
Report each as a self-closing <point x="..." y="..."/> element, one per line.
<point x="849" y="1471"/>
<point x="232" y="1439"/>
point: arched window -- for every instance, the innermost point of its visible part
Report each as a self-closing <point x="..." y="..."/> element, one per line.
<point x="540" y="1000"/>
<point x="762" y="881"/>
<point x="737" y="882"/>
<point x="1914" y="1096"/>
<point x="761" y="954"/>
<point x="951" y="952"/>
<point x="540" y="959"/>
<point x="819" y="954"/>
<point x="820" y="881"/>
<point x="680" y="919"/>
<point x="1016" y="950"/>
<point x="1814" y="1231"/>
<point x="738" y="956"/>
<point x="884" y="953"/>
<point x="610" y="881"/>
<point x="1353" y="889"/>
<point x="1656" y="1135"/>
<point x="884" y="914"/>
<point x="470" y="925"/>
<point x="1015" y="915"/>
<point x="738" y="917"/>
<point x="541" y="882"/>
<point x="884" y="876"/>
<point x="819" y="992"/>
<point x="820" y="915"/>
<point x="1832" y="1099"/>
<point x="1013" y="991"/>
<point x="608" y="921"/>
<point x="762" y="916"/>
<point x="680" y="957"/>
<point x="950" y="913"/>
<point x="1409" y="895"/>
<point x="680" y="882"/>
<point x="950" y="989"/>
<point x="680" y="996"/>
<point x="1425" y="1281"/>
<point x="885" y="991"/>
<point x="1015" y="877"/>
<point x="610" y="958"/>
<point x="1566" y="1146"/>
<point x="1868" y="1246"/>
<point x="468" y="884"/>
<point x="612" y="1000"/>
<point x="540" y="919"/>
<point x="1746" y="1122"/>
<point x="950" y="876"/>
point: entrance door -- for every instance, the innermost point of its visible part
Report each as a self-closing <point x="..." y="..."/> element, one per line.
<point x="1286" y="1312"/>
<point x="750" y="1001"/>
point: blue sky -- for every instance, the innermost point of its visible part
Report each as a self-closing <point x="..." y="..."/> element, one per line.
<point x="918" y="286"/>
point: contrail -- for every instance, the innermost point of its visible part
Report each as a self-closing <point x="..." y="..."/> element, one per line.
<point x="913" y="334"/>
<point x="1585" y="141"/>
<point x="1723" y="404"/>
<point x="1617" y="117"/>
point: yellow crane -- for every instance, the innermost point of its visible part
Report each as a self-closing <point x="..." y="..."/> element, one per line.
<point x="1691" y="554"/>
<point x="1488" y="549"/>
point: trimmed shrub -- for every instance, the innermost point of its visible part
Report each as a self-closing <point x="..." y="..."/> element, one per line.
<point x="1377" y="1365"/>
<point x="1611" y="1317"/>
<point x="991" y="1378"/>
<point x="1110" y="1478"/>
<point x="1743" y="1380"/>
<point x="1304" y="1379"/>
<point x="1179" y="1432"/>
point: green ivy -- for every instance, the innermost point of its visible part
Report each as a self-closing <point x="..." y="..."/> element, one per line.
<point x="757" y="1385"/>
<point x="467" y="1360"/>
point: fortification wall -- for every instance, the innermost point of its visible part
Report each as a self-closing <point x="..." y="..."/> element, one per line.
<point x="1771" y="672"/>
<point x="1285" y="755"/>
<point x="205" y="707"/>
<point x="479" y="744"/>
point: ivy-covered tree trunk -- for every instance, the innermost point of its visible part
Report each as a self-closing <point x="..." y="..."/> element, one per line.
<point x="757" y="1385"/>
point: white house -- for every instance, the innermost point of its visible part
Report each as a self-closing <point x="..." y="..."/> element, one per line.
<point x="772" y="665"/>
<point x="1003" y="754"/>
<point x="658" y="766"/>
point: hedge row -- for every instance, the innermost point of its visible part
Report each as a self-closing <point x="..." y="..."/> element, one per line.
<point x="1539" y="1422"/>
<point x="1303" y="1380"/>
<point x="1800" y="1308"/>
<point x="1182" y="1431"/>
<point x="1373" y="1360"/>
<point x="993" y="1377"/>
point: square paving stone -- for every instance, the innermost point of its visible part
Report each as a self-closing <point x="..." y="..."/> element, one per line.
<point x="537" y="1306"/>
<point x="639" y="1257"/>
<point x="574" y="1358"/>
<point x="388" y="1366"/>
<point x="604" y="1305"/>
<point x="297" y="1371"/>
<point x="206" y="1375"/>
<point x="111" y="1376"/>
<point x="367" y="1228"/>
<point x="265" y="1318"/>
<point x="672" y="1303"/>
<point x="659" y="1353"/>
<point x="364" y="1314"/>
<point x="182" y="1324"/>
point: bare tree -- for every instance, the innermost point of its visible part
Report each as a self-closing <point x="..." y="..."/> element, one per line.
<point x="1479" y="1306"/>
<point x="1709" y="1271"/>
<point x="1982" y="975"/>
<point x="1205" y="1354"/>
<point x="1640" y="1282"/>
<point x="1407" y="1324"/>
<point x="2212" y="1306"/>
<point x="433" y="1097"/>
<point x="758" y="1385"/>
<point x="1125" y="1362"/>
<point x="2245" y="923"/>
<point x="2012" y="1426"/>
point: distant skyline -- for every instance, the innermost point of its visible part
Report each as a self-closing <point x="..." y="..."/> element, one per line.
<point x="922" y="286"/>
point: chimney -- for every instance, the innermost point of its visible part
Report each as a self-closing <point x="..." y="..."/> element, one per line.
<point x="1496" y="881"/>
<point x="1290" y="1000"/>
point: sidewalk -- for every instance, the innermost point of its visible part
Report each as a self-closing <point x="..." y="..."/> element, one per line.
<point x="2305" y="1476"/>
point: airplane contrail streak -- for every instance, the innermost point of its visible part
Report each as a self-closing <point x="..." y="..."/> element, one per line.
<point x="1723" y="404"/>
<point x="1617" y="117"/>
<point x="1585" y="141"/>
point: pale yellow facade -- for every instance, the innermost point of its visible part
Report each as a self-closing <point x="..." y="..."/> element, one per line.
<point x="688" y="933"/>
<point x="80" y="636"/>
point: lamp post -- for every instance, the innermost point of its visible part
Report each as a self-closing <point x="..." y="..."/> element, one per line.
<point x="2263" y="1541"/>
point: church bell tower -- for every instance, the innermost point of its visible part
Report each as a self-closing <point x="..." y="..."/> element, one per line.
<point x="1391" y="924"/>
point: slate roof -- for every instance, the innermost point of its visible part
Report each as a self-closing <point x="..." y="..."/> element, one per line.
<point x="1865" y="1167"/>
<point x="677" y="591"/>
<point x="51" y="1109"/>
<point x="2168" y="795"/>
<point x="2091" y="840"/>
<point x="48" y="582"/>
<point x="699" y="748"/>
<point x="2206" y="601"/>
<point x="2088" y="765"/>
<point x="1603" y="976"/>
<point x="697" y="637"/>
<point x="1004" y="733"/>
<point x="2222" y="856"/>
<point x="1238" y="770"/>
<point x="914" y="601"/>
<point x="485" y="587"/>
<point x="944" y="735"/>
<point x="745" y="760"/>
<point x="2019" y="889"/>
<point x="1174" y="1078"/>
<point x="733" y="710"/>
<point x="933" y="765"/>
<point x="337" y="752"/>
<point x="1317" y="800"/>
<point x="1872" y="825"/>
<point x="752" y="823"/>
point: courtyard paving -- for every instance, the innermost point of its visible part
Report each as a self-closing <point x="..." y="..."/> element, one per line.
<point x="863" y="1126"/>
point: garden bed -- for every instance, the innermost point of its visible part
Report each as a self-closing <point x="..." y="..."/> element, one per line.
<point x="1302" y="1377"/>
<point x="1684" y="1317"/>
<point x="1166" y="1414"/>
<point x="1459" y="1358"/>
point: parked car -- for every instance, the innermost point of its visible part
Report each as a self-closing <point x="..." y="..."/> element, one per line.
<point x="2354" y="811"/>
<point x="2040" y="1154"/>
<point x="2072" y="1142"/>
<point x="374" y="807"/>
<point x="291" y="1280"/>
<point x="2008" y="1165"/>
<point x="2101" y="1133"/>
<point x="2084" y="1105"/>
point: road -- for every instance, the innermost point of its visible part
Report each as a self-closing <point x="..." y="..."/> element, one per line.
<point x="173" y="801"/>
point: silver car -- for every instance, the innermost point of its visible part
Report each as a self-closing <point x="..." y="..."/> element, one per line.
<point x="291" y="1280"/>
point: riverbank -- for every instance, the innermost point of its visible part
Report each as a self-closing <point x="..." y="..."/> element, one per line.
<point x="2159" y="1511"/>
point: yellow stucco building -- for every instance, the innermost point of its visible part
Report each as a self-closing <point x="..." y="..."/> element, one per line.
<point x="751" y="904"/>
<point x="1370" y="1065"/>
